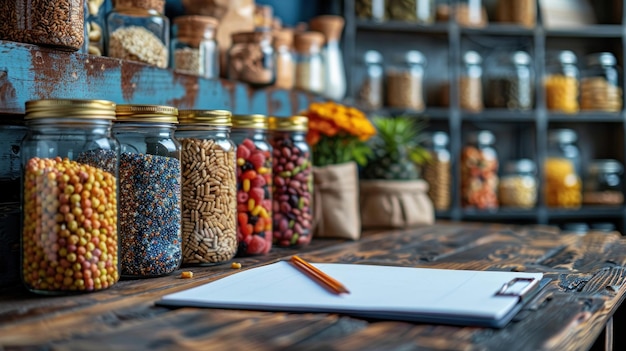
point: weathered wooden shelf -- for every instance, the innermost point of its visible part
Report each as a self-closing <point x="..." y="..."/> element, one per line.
<point x="29" y="72"/>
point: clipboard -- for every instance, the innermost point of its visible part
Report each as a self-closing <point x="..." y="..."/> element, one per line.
<point x="439" y="296"/>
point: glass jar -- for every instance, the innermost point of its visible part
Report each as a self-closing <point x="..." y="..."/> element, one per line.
<point x="370" y="95"/>
<point x="334" y="72"/>
<point x="510" y="82"/>
<point x="194" y="48"/>
<point x="209" y="190"/>
<point x="11" y="136"/>
<point x="251" y="59"/>
<point x="59" y="24"/>
<point x="600" y="89"/>
<point x="437" y="172"/>
<point x="69" y="197"/>
<point x="263" y="17"/>
<point x="479" y="171"/>
<point x="309" y="61"/>
<point x="293" y="181"/>
<point x="471" y="13"/>
<point x="150" y="196"/>
<point x="137" y="30"/>
<point x="10" y="243"/>
<point x="285" y="58"/>
<point x="522" y="12"/>
<point x="603" y="183"/>
<point x="405" y="82"/>
<point x="254" y="184"/>
<point x="562" y="170"/>
<point x="470" y="84"/>
<point x="561" y="83"/>
<point x="418" y="11"/>
<point x="518" y="184"/>
<point x="96" y="10"/>
<point x="370" y="9"/>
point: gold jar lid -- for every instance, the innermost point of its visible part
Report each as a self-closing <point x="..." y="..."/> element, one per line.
<point x="147" y="113"/>
<point x="289" y="124"/>
<point x="220" y="118"/>
<point x="70" y="108"/>
<point x="250" y="121"/>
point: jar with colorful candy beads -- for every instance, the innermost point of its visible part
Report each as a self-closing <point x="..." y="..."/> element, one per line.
<point x="293" y="181"/>
<point x="479" y="171"/>
<point x="561" y="83"/>
<point x="254" y="184"/>
<point x="70" y="240"/>
<point x="209" y="186"/>
<point x="150" y="196"/>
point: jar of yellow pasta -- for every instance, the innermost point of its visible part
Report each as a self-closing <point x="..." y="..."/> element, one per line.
<point x="562" y="83"/>
<point x="562" y="188"/>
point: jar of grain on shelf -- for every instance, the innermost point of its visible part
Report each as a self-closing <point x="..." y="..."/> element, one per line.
<point x="510" y="82"/>
<point x="370" y="96"/>
<point x="600" y="88"/>
<point x="194" y="49"/>
<point x="285" y="58"/>
<point x="137" y="30"/>
<point x="251" y="59"/>
<point x="309" y="61"/>
<point x="405" y="82"/>
<point x="418" y="11"/>
<point x="518" y="185"/>
<point x="561" y="82"/>
<point x="370" y="9"/>
<point x="470" y="84"/>
<point x="437" y="171"/>
<point x="522" y="12"/>
<point x="603" y="183"/>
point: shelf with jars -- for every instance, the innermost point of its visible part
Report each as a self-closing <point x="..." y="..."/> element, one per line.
<point x="517" y="76"/>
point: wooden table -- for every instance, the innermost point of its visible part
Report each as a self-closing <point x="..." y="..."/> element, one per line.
<point x="571" y="313"/>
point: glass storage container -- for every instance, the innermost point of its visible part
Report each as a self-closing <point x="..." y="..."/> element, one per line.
<point x="470" y="84"/>
<point x="370" y="95"/>
<point x="600" y="88"/>
<point x="251" y="59"/>
<point x="418" y="11"/>
<point x="334" y="72"/>
<point x="562" y="170"/>
<point x="254" y="184"/>
<point x="437" y="171"/>
<point x="561" y="82"/>
<point x="209" y="186"/>
<point x="370" y="9"/>
<point x="510" y="82"/>
<point x="471" y="13"/>
<point x="405" y="82"/>
<point x="285" y="58"/>
<point x="522" y="12"/>
<point x="309" y="61"/>
<point x="59" y="24"/>
<point x="293" y="181"/>
<point x="11" y="136"/>
<point x="138" y="30"/>
<point x="603" y="183"/>
<point x="194" y="49"/>
<point x="69" y="239"/>
<point x="263" y="17"/>
<point x="518" y="184"/>
<point x="10" y="243"/>
<point x="96" y="11"/>
<point x="150" y="196"/>
<point x="479" y="171"/>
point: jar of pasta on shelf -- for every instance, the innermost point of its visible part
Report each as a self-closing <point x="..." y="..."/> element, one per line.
<point x="562" y="170"/>
<point x="518" y="184"/>
<point x="194" y="49"/>
<point x="437" y="171"/>
<point x="600" y="87"/>
<point x="370" y="95"/>
<point x="209" y="186"/>
<point x="254" y="184"/>
<point x="562" y="82"/>
<point x="150" y="196"/>
<point x="251" y="59"/>
<point x="309" y="61"/>
<point x="603" y="183"/>
<point x="293" y="181"/>
<point x="479" y="171"/>
<point x="405" y="81"/>
<point x="510" y="82"/>
<point x="138" y="30"/>
<point x="70" y="240"/>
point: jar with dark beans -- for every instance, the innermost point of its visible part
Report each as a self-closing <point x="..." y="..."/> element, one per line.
<point x="254" y="184"/>
<point x="209" y="186"/>
<point x="70" y="198"/>
<point x="510" y="82"/>
<point x="150" y="200"/>
<point x="293" y="181"/>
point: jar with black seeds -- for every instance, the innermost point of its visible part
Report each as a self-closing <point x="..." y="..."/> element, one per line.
<point x="510" y="82"/>
<point x="209" y="186"/>
<point x="69" y="234"/>
<point x="150" y="195"/>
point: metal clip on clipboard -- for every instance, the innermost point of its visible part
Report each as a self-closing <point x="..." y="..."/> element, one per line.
<point x="518" y="287"/>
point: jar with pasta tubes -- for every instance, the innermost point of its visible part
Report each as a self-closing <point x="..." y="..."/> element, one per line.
<point x="70" y="241"/>
<point x="563" y="185"/>
<point x="562" y="82"/>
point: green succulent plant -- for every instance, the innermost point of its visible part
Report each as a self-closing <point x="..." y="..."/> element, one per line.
<point x="396" y="154"/>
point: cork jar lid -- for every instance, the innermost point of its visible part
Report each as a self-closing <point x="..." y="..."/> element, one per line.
<point x="282" y="37"/>
<point x="156" y="5"/>
<point x="250" y="37"/>
<point x="329" y="25"/>
<point x="304" y="42"/>
<point x="196" y="27"/>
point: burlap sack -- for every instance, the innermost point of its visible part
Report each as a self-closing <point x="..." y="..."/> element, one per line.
<point x="336" y="201"/>
<point x="395" y="204"/>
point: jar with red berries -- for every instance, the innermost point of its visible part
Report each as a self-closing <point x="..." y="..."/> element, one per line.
<point x="293" y="181"/>
<point x="254" y="184"/>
